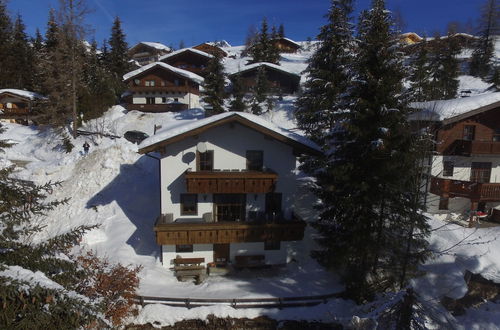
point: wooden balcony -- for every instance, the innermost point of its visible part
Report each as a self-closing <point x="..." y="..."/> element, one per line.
<point x="164" y="89"/>
<point x="467" y="148"/>
<point x="228" y="232"/>
<point x="486" y="192"/>
<point x="157" y="107"/>
<point x="232" y="182"/>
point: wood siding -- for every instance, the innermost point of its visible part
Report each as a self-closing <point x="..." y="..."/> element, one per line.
<point x="164" y="81"/>
<point x="189" y="61"/>
<point x="487" y="192"/>
<point x="286" y="46"/>
<point x="245" y="182"/>
<point x="157" y="107"/>
<point x="228" y="232"/>
<point x="210" y="49"/>
<point x="280" y="82"/>
<point x="450" y="138"/>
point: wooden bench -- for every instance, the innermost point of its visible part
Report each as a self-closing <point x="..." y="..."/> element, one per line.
<point x="250" y="261"/>
<point x="190" y="267"/>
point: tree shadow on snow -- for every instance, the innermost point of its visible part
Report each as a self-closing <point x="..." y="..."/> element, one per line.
<point x="136" y="190"/>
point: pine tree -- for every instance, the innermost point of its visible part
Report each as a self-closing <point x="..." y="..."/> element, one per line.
<point x="281" y="31"/>
<point x="369" y="213"/>
<point x="117" y="59"/>
<point x="21" y="58"/>
<point x="5" y="38"/>
<point x="214" y="84"/>
<point x="238" y="93"/>
<point x="480" y="65"/>
<point x="444" y="68"/>
<point x="421" y="74"/>
<point x="264" y="49"/>
<point x="328" y="73"/>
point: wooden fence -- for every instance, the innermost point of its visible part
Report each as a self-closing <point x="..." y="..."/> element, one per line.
<point x="240" y="303"/>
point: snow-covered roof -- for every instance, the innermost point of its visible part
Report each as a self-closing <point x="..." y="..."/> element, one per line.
<point x="155" y="45"/>
<point x="269" y="65"/>
<point x="192" y="50"/>
<point x="22" y="93"/>
<point x="455" y="109"/>
<point x="187" y="74"/>
<point x="219" y="43"/>
<point x="180" y="128"/>
<point x="289" y="40"/>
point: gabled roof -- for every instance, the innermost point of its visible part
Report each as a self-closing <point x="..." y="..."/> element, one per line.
<point x="155" y="45"/>
<point x="186" y="74"/>
<point x="27" y="95"/>
<point x="450" y="111"/>
<point x="272" y="66"/>
<point x="184" y="50"/>
<point x="212" y="45"/>
<point x="183" y="129"/>
<point x="287" y="40"/>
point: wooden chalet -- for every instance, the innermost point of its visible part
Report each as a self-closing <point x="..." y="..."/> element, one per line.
<point x="148" y="52"/>
<point x="211" y="49"/>
<point x="18" y="105"/>
<point x="281" y="80"/>
<point x="227" y="201"/>
<point x="189" y="59"/>
<point x="159" y="87"/>
<point x="410" y="38"/>
<point x="286" y="45"/>
<point x="465" y="168"/>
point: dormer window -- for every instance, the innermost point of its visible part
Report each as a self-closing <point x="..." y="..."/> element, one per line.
<point x="469" y="132"/>
<point x="206" y="160"/>
<point x="255" y="160"/>
<point x="149" y="83"/>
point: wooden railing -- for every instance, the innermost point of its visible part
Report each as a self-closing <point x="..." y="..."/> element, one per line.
<point x="467" y="189"/>
<point x="157" y="107"/>
<point x="235" y="182"/>
<point x="228" y="232"/>
<point x="467" y="148"/>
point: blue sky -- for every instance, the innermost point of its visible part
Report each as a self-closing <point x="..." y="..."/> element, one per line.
<point x="196" y="21"/>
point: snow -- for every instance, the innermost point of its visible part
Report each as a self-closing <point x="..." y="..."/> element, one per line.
<point x="179" y="128"/>
<point x="155" y="45"/>
<point x="192" y="50"/>
<point x="270" y="65"/>
<point x="22" y="93"/>
<point x="290" y="40"/>
<point x="447" y="109"/>
<point x="187" y="74"/>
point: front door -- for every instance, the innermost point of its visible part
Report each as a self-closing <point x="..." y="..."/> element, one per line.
<point x="221" y="253"/>
<point x="229" y="207"/>
<point x="480" y="172"/>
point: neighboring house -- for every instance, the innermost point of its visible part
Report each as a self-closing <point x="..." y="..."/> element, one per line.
<point x="148" y="52"/>
<point x="465" y="166"/>
<point x="159" y="87"/>
<point x="281" y="80"/>
<point x="17" y="105"/>
<point x="211" y="48"/>
<point x="227" y="185"/>
<point x="286" y="45"/>
<point x="189" y="59"/>
<point x="410" y="38"/>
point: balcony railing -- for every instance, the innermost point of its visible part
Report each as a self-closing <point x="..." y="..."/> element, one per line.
<point x="468" y="189"/>
<point x="467" y="148"/>
<point x="227" y="232"/>
<point x="234" y="182"/>
<point x="157" y="107"/>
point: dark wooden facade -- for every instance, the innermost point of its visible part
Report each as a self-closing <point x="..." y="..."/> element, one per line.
<point x="211" y="49"/>
<point x="169" y="107"/>
<point x="286" y="46"/>
<point x="165" y="81"/>
<point x="244" y="182"/>
<point x="474" y="135"/>
<point x="188" y="60"/>
<point x="280" y="81"/>
<point x="228" y="232"/>
<point x="475" y="191"/>
<point x="17" y="108"/>
<point x="144" y="54"/>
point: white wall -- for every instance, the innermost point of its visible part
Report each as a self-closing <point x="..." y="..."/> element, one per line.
<point x="273" y="257"/>
<point x="192" y="100"/>
<point x="199" y="251"/>
<point x="230" y="143"/>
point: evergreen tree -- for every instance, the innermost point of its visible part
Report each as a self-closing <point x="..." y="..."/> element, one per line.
<point x="5" y="38"/>
<point x="264" y="49"/>
<point x="421" y="74"/>
<point x="369" y="213"/>
<point x="117" y="59"/>
<point x="480" y="65"/>
<point x="21" y="58"/>
<point x="444" y="68"/>
<point x="281" y="31"/>
<point x="238" y="93"/>
<point x="328" y="73"/>
<point x="214" y="85"/>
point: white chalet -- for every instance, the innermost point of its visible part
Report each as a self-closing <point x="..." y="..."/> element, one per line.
<point x="227" y="184"/>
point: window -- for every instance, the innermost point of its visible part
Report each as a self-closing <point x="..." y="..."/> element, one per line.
<point x="150" y="83"/>
<point x="150" y="100"/>
<point x="189" y="204"/>
<point x="448" y="168"/>
<point x="443" y="203"/>
<point x="469" y="132"/>
<point x="496" y="135"/>
<point x="184" y="248"/>
<point x="229" y="207"/>
<point x="272" y="245"/>
<point x="163" y="100"/>
<point x="162" y="83"/>
<point x="273" y="206"/>
<point x="206" y="160"/>
<point x="480" y="172"/>
<point x="255" y="160"/>
<point x="176" y="82"/>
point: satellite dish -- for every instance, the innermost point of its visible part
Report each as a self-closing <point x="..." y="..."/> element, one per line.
<point x="201" y="147"/>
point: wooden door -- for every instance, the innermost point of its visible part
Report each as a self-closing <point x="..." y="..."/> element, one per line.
<point x="221" y="253"/>
<point x="480" y="172"/>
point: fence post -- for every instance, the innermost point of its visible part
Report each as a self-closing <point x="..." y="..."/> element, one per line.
<point x="188" y="304"/>
<point x="141" y="299"/>
<point x="233" y="304"/>
<point x="280" y="301"/>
